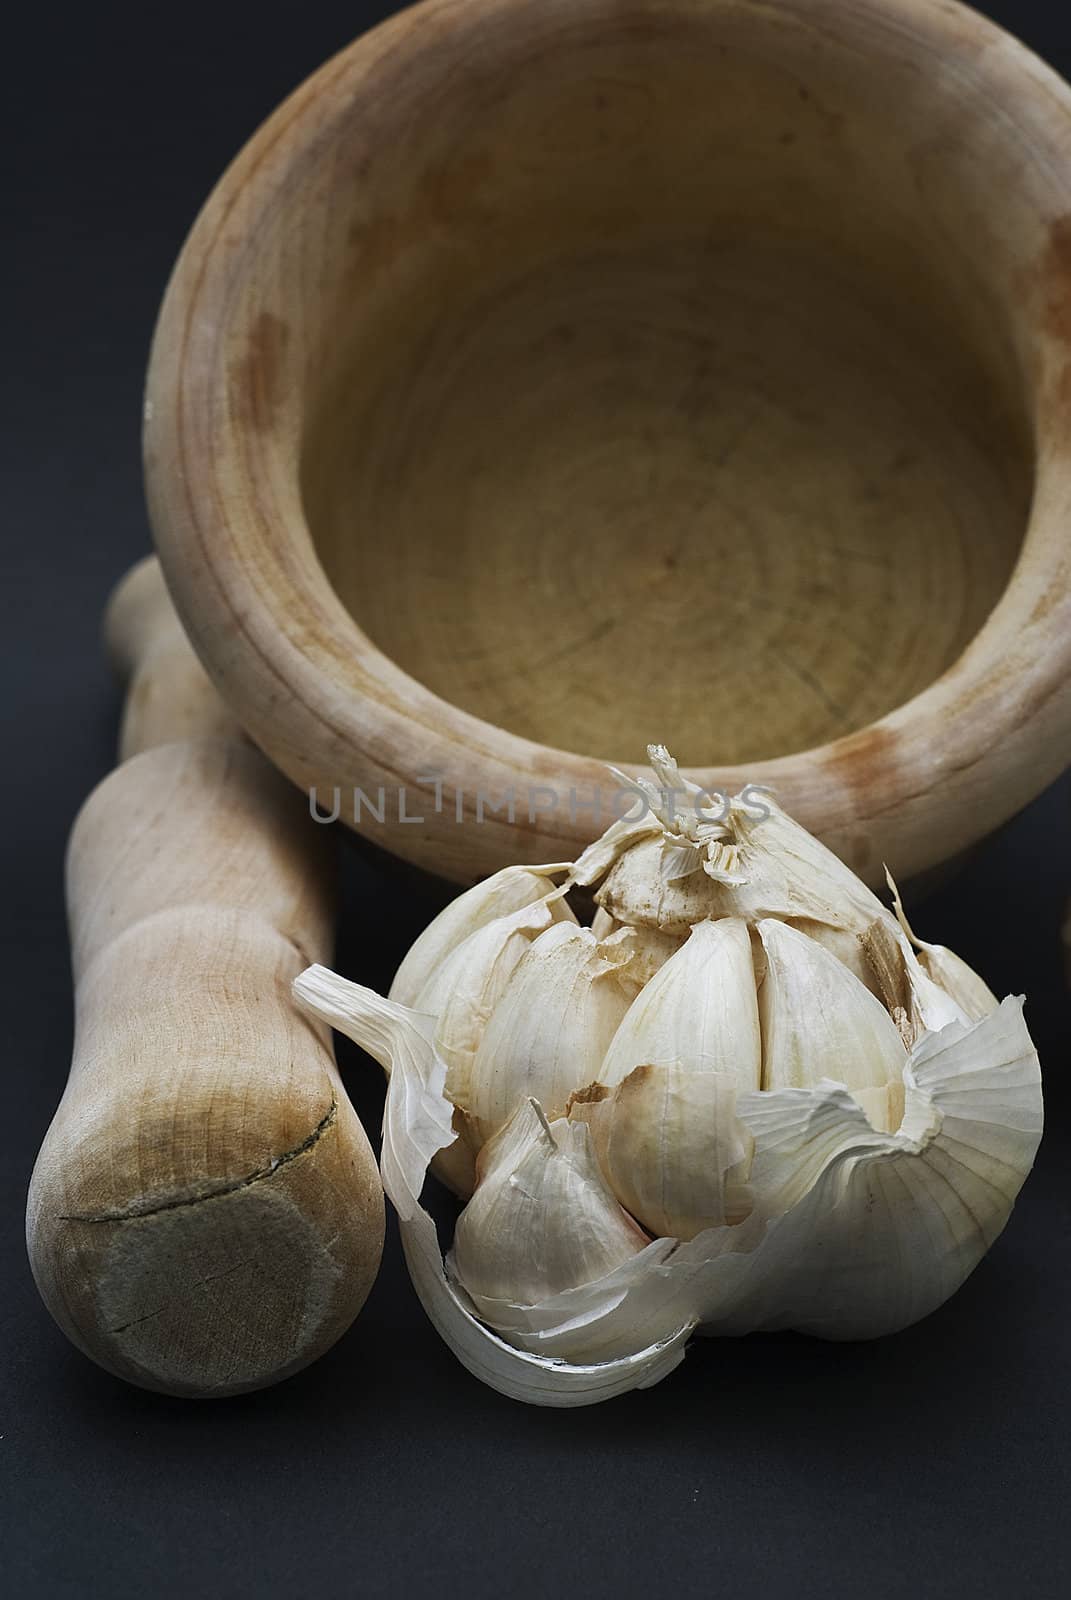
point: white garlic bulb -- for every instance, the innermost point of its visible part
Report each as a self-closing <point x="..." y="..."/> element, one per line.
<point x="746" y="1098"/>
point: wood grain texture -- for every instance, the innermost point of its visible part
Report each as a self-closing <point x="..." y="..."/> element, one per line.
<point x="551" y="376"/>
<point x="205" y="1215"/>
<point x="168" y="693"/>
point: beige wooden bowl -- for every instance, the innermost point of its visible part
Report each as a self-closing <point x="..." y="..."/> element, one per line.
<point x="551" y="376"/>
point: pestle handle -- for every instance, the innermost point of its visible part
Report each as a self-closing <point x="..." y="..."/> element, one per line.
<point x="205" y="1215"/>
<point x="168" y="693"/>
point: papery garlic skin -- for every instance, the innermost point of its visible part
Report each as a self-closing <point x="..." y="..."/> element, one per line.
<point x="753" y="862"/>
<point x="638" y="953"/>
<point x="947" y="970"/>
<point x="507" y="891"/>
<point x="823" y="1120"/>
<point x="870" y="1233"/>
<point x="458" y="970"/>
<point x="463" y="992"/>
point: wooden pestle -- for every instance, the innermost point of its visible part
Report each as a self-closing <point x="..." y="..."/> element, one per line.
<point x="205" y="1215"/>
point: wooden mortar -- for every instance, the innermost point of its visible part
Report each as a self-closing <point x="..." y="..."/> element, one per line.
<point x="551" y="376"/>
<point x="205" y="1216"/>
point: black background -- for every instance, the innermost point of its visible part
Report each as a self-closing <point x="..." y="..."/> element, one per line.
<point x="934" y="1463"/>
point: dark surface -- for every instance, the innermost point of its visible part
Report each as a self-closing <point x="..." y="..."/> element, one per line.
<point x="934" y="1464"/>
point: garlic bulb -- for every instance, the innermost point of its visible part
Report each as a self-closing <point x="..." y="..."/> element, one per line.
<point x="748" y="1097"/>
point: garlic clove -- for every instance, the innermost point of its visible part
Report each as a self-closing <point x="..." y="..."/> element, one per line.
<point x="670" y="1146"/>
<point x="790" y="874"/>
<point x="637" y="953"/>
<point x="549" y="1032"/>
<point x="946" y="969"/>
<point x="635" y="891"/>
<point x="698" y="1011"/>
<point x="662" y="1111"/>
<point x="618" y="839"/>
<point x="541" y="1220"/>
<point x="819" y="1022"/>
<point x="507" y="891"/>
<point x="849" y="947"/>
<point x="464" y="990"/>
<point x="416" y="1126"/>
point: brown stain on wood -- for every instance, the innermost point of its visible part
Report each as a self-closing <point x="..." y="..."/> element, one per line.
<point x="258" y="374"/>
<point x="1046" y="603"/>
<point x="866" y="763"/>
<point x="1045" y="285"/>
<point x="448" y="196"/>
<point x="1055" y="279"/>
